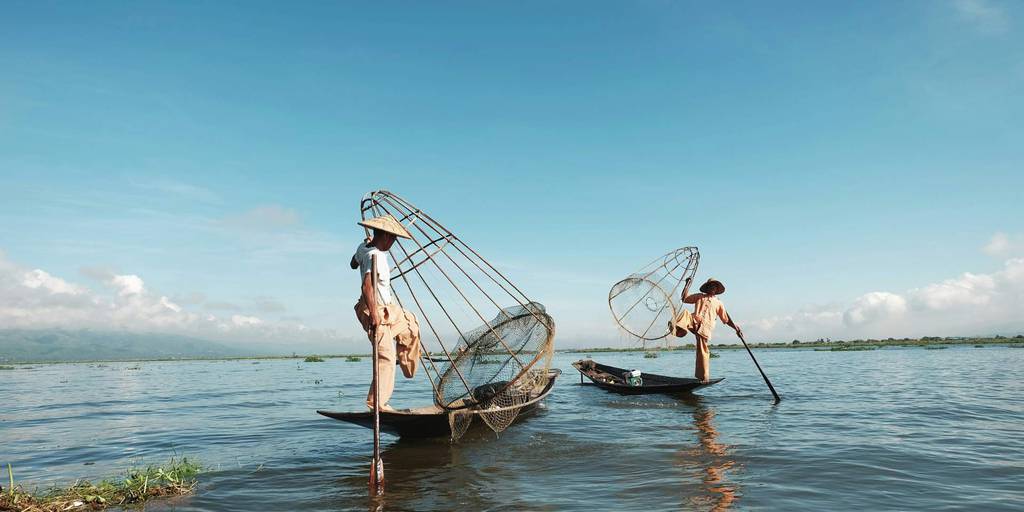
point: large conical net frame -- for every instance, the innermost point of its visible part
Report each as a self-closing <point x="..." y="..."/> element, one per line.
<point x="645" y="303"/>
<point x="487" y="347"/>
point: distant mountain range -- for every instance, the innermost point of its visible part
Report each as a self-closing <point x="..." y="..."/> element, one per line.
<point x="85" y="345"/>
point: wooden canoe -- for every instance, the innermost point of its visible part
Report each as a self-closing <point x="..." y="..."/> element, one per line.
<point x="610" y="378"/>
<point x="428" y="421"/>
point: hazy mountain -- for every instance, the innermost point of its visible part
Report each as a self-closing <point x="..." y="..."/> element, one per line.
<point x="76" y="345"/>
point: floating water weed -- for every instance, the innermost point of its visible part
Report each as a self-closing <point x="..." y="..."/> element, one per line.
<point x="176" y="478"/>
<point x="313" y="359"/>
<point x="353" y="359"/>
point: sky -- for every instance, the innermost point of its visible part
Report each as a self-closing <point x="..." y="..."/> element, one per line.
<point x="849" y="170"/>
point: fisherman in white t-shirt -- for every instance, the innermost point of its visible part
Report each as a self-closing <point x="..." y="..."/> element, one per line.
<point x="385" y="322"/>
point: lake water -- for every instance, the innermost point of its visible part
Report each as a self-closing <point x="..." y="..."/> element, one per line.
<point x="892" y="429"/>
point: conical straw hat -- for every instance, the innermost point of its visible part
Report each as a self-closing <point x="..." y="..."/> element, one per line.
<point x="386" y="223"/>
<point x="713" y="284"/>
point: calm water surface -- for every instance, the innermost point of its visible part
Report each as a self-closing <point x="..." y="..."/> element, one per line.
<point x="893" y="429"/>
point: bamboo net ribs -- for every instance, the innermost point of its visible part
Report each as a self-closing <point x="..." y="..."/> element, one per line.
<point x="487" y="346"/>
<point x="645" y="302"/>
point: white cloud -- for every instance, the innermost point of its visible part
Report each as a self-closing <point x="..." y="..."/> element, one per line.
<point x="1013" y="272"/>
<point x="37" y="299"/>
<point x="128" y="285"/>
<point x="41" y="279"/>
<point x="165" y="302"/>
<point x="241" y="320"/>
<point x="1003" y="245"/>
<point x="983" y="14"/>
<point x="968" y="289"/>
<point x="971" y="304"/>
<point x="998" y="246"/>
<point x="875" y="307"/>
<point x="798" y="323"/>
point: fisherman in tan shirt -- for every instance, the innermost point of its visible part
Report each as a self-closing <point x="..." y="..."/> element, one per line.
<point x="702" y="323"/>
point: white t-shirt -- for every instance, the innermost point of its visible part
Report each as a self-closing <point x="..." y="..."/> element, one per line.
<point x="365" y="256"/>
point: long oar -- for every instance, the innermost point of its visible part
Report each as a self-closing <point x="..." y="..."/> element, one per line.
<point x="377" y="469"/>
<point x="766" y="381"/>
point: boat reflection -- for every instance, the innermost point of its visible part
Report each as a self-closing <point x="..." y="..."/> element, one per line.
<point x="708" y="461"/>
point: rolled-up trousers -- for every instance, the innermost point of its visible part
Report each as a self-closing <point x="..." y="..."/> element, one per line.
<point x="396" y="325"/>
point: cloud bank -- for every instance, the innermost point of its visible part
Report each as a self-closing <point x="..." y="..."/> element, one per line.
<point x="35" y="299"/>
<point x="969" y="304"/>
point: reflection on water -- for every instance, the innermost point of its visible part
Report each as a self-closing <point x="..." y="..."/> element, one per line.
<point x="708" y="460"/>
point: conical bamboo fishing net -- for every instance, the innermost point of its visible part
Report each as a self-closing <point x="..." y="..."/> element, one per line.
<point x="487" y="347"/>
<point x="645" y="302"/>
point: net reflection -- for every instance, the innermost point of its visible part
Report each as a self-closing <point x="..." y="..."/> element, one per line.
<point x="708" y="461"/>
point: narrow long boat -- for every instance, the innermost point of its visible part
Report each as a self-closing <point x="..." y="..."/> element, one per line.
<point x="610" y="378"/>
<point x="432" y="420"/>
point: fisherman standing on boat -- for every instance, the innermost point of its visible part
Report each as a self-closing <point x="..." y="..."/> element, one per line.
<point x="384" y="322"/>
<point x="702" y="322"/>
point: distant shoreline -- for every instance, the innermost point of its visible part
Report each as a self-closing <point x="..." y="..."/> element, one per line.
<point x="835" y="346"/>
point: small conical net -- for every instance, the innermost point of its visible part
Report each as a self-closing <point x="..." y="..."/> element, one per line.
<point x="644" y="303"/>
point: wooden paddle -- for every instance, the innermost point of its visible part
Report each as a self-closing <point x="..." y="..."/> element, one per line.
<point x="765" y="377"/>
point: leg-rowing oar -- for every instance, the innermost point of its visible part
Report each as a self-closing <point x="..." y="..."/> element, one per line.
<point x="377" y="469"/>
<point x="766" y="381"/>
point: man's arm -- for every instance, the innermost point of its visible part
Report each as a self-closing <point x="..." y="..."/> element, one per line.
<point x="692" y="299"/>
<point x="724" y="315"/>
<point x="370" y="297"/>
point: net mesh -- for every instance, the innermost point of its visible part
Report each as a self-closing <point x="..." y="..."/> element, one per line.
<point x="487" y="347"/>
<point x="644" y="303"/>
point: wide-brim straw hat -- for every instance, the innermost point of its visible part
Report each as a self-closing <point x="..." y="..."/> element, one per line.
<point x="713" y="285"/>
<point x="386" y="223"/>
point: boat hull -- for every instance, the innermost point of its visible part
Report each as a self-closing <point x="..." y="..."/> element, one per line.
<point x="424" y="422"/>
<point x="606" y="377"/>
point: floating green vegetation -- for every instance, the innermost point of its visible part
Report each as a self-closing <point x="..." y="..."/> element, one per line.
<point x="650" y="355"/>
<point x="6" y="367"/>
<point x="852" y="348"/>
<point x="313" y="359"/>
<point x="353" y="359"/>
<point x="713" y="355"/>
<point x="936" y="347"/>
<point x="176" y="478"/>
<point x="979" y="346"/>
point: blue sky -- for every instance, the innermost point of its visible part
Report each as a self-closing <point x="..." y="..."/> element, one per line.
<point x="817" y="153"/>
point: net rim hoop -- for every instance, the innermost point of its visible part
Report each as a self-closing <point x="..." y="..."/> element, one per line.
<point x="668" y="302"/>
<point x="549" y="325"/>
